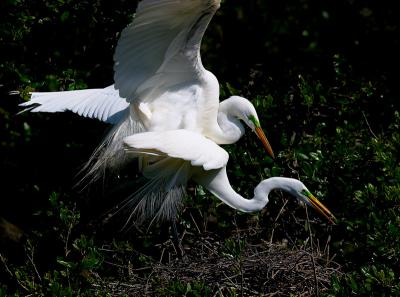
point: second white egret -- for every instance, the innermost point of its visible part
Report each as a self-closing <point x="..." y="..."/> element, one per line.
<point x="166" y="111"/>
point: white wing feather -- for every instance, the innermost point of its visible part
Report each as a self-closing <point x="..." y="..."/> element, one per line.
<point x="103" y="104"/>
<point x="179" y="144"/>
<point x="163" y="38"/>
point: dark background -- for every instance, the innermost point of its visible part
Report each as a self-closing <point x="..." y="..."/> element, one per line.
<point x="322" y="74"/>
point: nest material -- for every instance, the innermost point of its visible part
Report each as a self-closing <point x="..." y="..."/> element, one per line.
<point x="255" y="270"/>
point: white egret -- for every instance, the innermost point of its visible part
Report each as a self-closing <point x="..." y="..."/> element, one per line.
<point x="165" y="109"/>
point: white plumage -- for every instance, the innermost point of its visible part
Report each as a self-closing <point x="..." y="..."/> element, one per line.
<point x="193" y="147"/>
<point x="102" y="104"/>
<point x="170" y="117"/>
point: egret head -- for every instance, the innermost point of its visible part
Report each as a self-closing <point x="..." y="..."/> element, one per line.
<point x="300" y="191"/>
<point x="247" y="113"/>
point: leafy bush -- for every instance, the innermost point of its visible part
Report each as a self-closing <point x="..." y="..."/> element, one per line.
<point x="322" y="77"/>
<point x="70" y="261"/>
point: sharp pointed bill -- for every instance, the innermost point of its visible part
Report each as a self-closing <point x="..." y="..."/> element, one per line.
<point x="318" y="206"/>
<point x="166" y="111"/>
<point x="264" y="140"/>
<point x="260" y="133"/>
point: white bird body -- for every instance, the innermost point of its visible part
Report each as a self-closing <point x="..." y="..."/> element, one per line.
<point x="193" y="106"/>
<point x="200" y="159"/>
<point x="165" y="109"/>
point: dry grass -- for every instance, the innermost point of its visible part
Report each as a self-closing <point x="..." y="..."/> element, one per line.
<point x="263" y="269"/>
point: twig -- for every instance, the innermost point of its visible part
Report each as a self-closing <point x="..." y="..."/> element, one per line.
<point x="312" y="256"/>
<point x="162" y="255"/>
<point x="276" y="219"/>
<point x="297" y="262"/>
<point x="33" y="264"/>
<point x="326" y="249"/>
<point x="124" y="266"/>
<point x="148" y="282"/>
<point x="4" y="261"/>
<point x="274" y="270"/>
<point x="241" y="276"/>
<point x="195" y="224"/>
<point x="343" y="95"/>
<point x="369" y="127"/>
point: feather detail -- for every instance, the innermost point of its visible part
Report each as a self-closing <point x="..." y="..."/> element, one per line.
<point x="110" y="153"/>
<point x="160" y="199"/>
<point x="102" y="104"/>
<point x="164" y="35"/>
<point x="179" y="144"/>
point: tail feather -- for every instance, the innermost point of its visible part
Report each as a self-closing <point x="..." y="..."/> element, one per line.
<point x="160" y="199"/>
<point x="110" y="153"/>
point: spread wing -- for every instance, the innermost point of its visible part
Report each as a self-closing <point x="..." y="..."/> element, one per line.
<point x="103" y="104"/>
<point x="157" y="52"/>
<point x="179" y="144"/>
<point x="161" y="47"/>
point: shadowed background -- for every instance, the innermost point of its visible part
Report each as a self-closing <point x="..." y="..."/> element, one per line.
<point x="323" y="76"/>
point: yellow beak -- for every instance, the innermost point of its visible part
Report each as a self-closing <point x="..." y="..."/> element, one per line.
<point x="264" y="140"/>
<point x="319" y="207"/>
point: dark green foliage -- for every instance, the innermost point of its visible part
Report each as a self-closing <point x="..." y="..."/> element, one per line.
<point x="70" y="258"/>
<point x="322" y="75"/>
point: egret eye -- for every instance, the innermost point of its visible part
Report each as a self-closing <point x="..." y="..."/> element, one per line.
<point x="162" y="131"/>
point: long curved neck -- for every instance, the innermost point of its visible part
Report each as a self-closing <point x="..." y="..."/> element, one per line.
<point x="228" y="128"/>
<point x="217" y="182"/>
